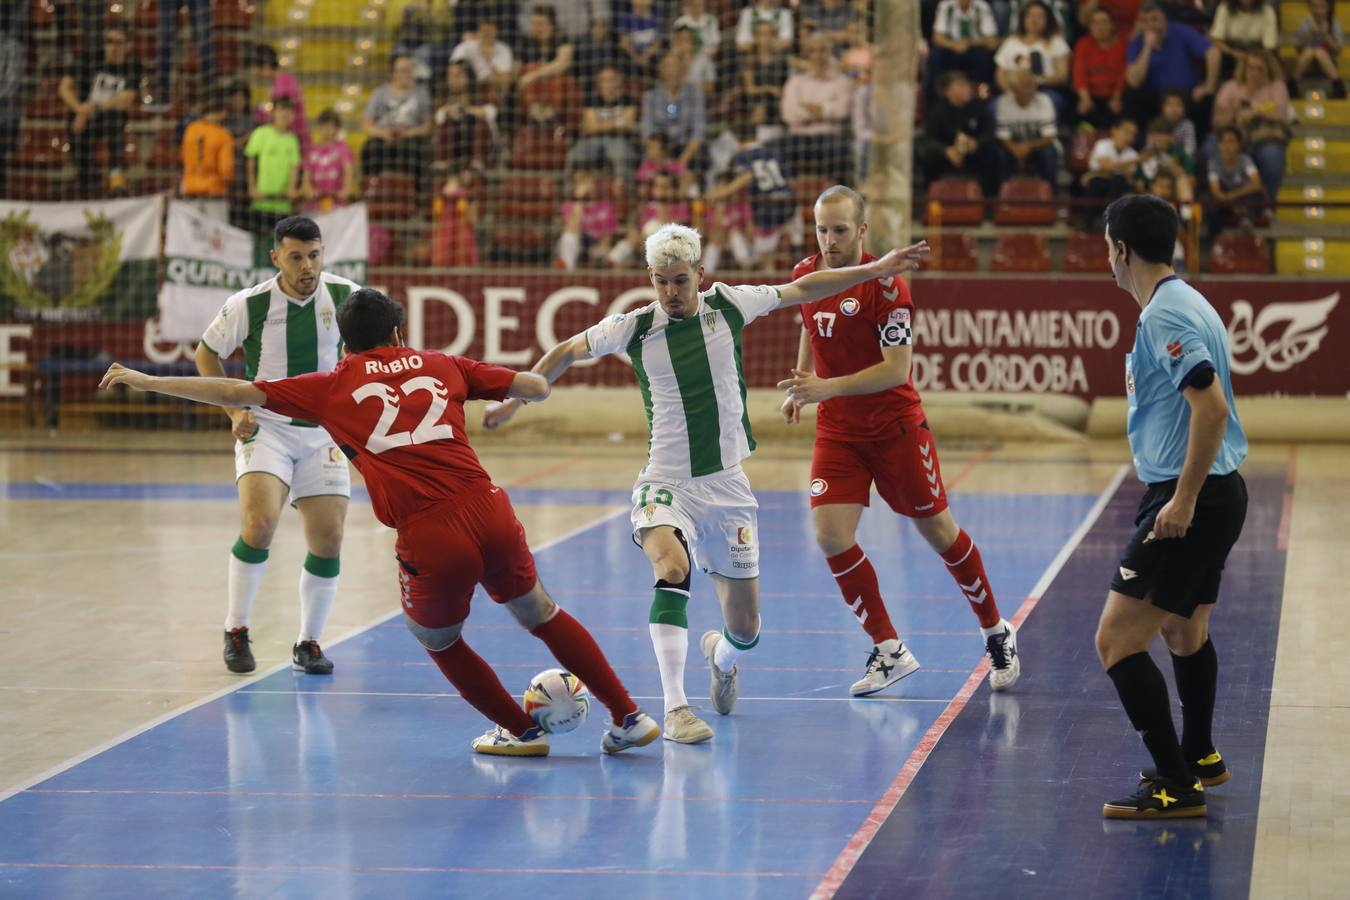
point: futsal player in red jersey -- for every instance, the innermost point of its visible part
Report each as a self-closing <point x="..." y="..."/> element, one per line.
<point x="398" y="414"/>
<point x="871" y="427"/>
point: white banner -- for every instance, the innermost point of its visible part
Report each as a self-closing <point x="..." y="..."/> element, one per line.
<point x="205" y="261"/>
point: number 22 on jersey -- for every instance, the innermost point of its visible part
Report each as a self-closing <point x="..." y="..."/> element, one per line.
<point x="426" y="431"/>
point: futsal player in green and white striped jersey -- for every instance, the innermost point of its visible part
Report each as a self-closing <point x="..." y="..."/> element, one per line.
<point x="286" y="326"/>
<point x="692" y="504"/>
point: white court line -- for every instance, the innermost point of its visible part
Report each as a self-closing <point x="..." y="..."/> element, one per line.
<point x="743" y="699"/>
<point x="253" y="679"/>
<point x="853" y="850"/>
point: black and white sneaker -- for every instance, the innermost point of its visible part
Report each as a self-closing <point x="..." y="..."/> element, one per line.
<point x="1159" y="798"/>
<point x="238" y="656"/>
<point x="1005" y="667"/>
<point x="884" y="669"/>
<point x="308" y="658"/>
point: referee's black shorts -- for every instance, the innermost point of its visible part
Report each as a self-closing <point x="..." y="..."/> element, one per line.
<point x="1179" y="574"/>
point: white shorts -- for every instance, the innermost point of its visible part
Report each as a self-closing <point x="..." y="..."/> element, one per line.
<point x="305" y="459"/>
<point x="715" y="513"/>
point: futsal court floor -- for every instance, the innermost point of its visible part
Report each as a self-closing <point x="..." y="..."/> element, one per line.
<point x="133" y="765"/>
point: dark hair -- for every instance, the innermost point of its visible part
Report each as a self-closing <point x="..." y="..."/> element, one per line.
<point x="844" y="192"/>
<point x="1123" y="120"/>
<point x="329" y="117"/>
<point x="283" y="103"/>
<point x="264" y="55"/>
<point x="301" y="228"/>
<point x="1226" y="130"/>
<point x="1051" y="26"/>
<point x="366" y="318"/>
<point x="1159" y="125"/>
<point x="1145" y="224"/>
<point x="396" y="56"/>
<point x="950" y="77"/>
<point x="1173" y="92"/>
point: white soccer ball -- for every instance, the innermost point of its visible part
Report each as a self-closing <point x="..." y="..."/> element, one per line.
<point x="557" y="701"/>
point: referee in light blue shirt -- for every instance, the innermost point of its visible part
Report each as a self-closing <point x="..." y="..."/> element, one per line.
<point x="1187" y="444"/>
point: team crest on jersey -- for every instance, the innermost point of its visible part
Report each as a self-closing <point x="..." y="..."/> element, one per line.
<point x="711" y="319"/>
<point x="326" y="316"/>
<point x="850" y="306"/>
<point x="819" y="486"/>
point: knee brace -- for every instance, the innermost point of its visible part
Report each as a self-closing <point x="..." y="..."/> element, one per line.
<point x="433" y="639"/>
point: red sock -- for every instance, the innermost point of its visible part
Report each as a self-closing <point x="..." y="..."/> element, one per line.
<point x="572" y="645"/>
<point x="478" y="684"/>
<point x="963" y="561"/>
<point x="858" y="583"/>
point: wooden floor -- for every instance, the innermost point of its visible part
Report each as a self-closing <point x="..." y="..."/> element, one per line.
<point x="113" y="607"/>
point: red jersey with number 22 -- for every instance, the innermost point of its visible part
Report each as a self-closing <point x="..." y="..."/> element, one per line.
<point x="398" y="414"/>
<point x="847" y="332"/>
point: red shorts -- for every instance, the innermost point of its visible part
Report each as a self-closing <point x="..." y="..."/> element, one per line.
<point x="446" y="551"/>
<point x="904" y="467"/>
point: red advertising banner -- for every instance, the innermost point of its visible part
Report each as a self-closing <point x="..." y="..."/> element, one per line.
<point x="972" y="334"/>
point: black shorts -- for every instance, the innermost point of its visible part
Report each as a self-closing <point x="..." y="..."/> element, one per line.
<point x="1179" y="574"/>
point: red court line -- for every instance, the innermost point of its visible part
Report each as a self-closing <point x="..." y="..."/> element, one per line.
<point x="968" y="467"/>
<point x="412" y="870"/>
<point x="366" y="795"/>
<point x="543" y="473"/>
<point x="1287" y="513"/>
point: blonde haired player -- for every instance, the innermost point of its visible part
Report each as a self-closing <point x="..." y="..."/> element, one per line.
<point x="870" y="428"/>
<point x="286" y="326"/>
<point x="692" y="504"/>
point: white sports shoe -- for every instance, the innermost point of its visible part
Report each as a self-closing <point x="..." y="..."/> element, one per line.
<point x="1005" y="665"/>
<point x="883" y="670"/>
<point x="683" y="727"/>
<point x="500" y="742"/>
<point x="725" y="687"/>
<point x="638" y="730"/>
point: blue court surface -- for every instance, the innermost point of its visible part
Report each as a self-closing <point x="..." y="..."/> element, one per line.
<point x="363" y="784"/>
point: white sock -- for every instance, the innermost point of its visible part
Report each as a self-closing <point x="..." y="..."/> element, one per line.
<point x="890" y="646"/>
<point x="316" y="602"/>
<point x="740" y="248"/>
<point x="995" y="629"/>
<point x="724" y="656"/>
<point x="569" y="248"/>
<point x="244" y="579"/>
<point x="712" y="255"/>
<point x="671" y="643"/>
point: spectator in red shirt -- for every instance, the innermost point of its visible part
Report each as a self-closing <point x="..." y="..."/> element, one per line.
<point x="456" y="529"/>
<point x="1122" y="12"/>
<point x="1099" y="71"/>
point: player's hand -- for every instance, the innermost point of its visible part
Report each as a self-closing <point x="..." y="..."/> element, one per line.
<point x="792" y="411"/>
<point x="120" y="374"/>
<point x="243" y="424"/>
<point x="497" y="414"/>
<point x="901" y="259"/>
<point x="806" y="387"/>
<point x="1173" y="519"/>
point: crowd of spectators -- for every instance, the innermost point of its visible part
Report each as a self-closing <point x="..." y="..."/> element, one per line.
<point x="709" y="110"/>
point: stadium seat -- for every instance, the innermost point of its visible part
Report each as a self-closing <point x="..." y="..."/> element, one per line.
<point x="41" y="146"/>
<point x="165" y="152"/>
<point x="1239" y="252"/>
<point x="1021" y="252"/>
<point x="1085" y="252"/>
<point x="46" y="102"/>
<point x="390" y="195"/>
<point x="232" y="14"/>
<point x="1028" y="211"/>
<point x="559" y="93"/>
<point x="955" y="252"/>
<point x="539" y="147"/>
<point x="526" y="216"/>
<point x="41" y="13"/>
<point x="960" y="199"/>
<point x="1082" y="149"/>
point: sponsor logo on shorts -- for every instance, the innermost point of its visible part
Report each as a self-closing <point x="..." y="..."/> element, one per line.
<point x="737" y="564"/>
<point x="819" y="486"/>
<point x="925" y="507"/>
<point x="850" y="306"/>
<point x="743" y="535"/>
<point x="335" y="455"/>
<point x="248" y="453"/>
<point x="649" y="511"/>
<point x="1127" y="574"/>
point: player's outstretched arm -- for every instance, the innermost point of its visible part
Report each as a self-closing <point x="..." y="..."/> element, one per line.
<point x="827" y="282"/>
<point x="529" y="387"/>
<point x="216" y="391"/>
<point x="548" y="370"/>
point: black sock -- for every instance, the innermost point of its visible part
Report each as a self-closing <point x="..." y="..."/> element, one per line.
<point x="1197" y="675"/>
<point x="1143" y="693"/>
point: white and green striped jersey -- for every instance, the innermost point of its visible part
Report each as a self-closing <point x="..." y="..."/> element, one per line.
<point x="281" y="336"/>
<point x="690" y="374"/>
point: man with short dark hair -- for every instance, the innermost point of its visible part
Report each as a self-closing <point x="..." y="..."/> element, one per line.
<point x="398" y="414"/>
<point x="286" y="326"/>
<point x="99" y="92"/>
<point x="1163" y="58"/>
<point x="1187" y="445"/>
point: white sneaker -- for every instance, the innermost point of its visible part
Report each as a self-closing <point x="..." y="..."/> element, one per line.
<point x="683" y="727"/>
<point x="1005" y="665"/>
<point x="500" y="742"/>
<point x="883" y="670"/>
<point x="638" y="730"/>
<point x="725" y="687"/>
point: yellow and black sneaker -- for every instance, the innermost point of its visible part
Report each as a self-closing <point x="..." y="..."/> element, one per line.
<point x="1209" y="769"/>
<point x="1159" y="798"/>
